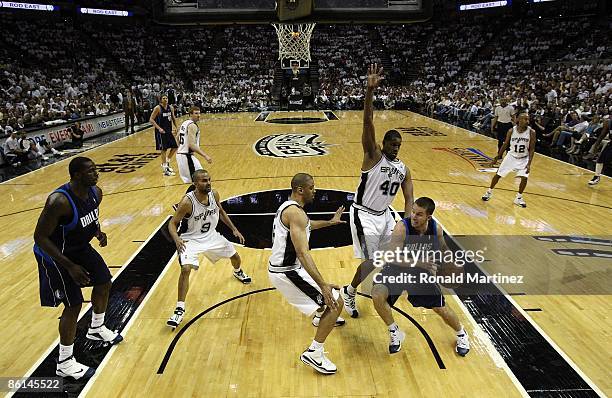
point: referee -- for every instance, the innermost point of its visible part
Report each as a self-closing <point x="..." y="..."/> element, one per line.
<point x="502" y="121"/>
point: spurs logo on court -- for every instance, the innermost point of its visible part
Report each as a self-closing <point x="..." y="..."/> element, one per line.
<point x="290" y="146"/>
<point x="475" y="157"/>
<point x="126" y="163"/>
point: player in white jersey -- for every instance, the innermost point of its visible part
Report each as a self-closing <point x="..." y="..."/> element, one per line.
<point x="189" y="143"/>
<point x="293" y="272"/>
<point x="521" y="141"/>
<point x="382" y="174"/>
<point x="201" y="210"/>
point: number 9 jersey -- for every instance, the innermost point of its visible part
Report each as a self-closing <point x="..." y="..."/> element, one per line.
<point x="380" y="184"/>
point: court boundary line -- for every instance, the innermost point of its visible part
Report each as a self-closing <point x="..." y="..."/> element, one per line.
<point x="127" y="327"/>
<point x="495" y="356"/>
<point x="491" y="138"/>
<point x="87" y="307"/>
<point x="533" y="323"/>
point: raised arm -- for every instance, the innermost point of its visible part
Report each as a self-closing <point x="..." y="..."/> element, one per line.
<point x="371" y="150"/>
<point x="408" y="191"/>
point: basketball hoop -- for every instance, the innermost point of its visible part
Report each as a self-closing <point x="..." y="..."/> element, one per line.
<point x="294" y="40"/>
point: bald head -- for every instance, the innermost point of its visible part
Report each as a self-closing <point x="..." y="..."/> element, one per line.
<point x="301" y="180"/>
<point x="198" y="173"/>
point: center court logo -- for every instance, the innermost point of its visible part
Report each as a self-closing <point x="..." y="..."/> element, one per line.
<point x="473" y="156"/>
<point x="291" y="146"/>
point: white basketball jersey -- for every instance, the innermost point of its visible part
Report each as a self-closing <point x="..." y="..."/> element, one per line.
<point x="284" y="257"/>
<point x="519" y="142"/>
<point x="203" y="219"/>
<point x="183" y="142"/>
<point x="380" y="184"/>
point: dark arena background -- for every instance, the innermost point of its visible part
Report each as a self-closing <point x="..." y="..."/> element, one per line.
<point x="285" y="87"/>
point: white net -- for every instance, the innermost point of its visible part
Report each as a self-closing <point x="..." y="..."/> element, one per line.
<point x="294" y="40"/>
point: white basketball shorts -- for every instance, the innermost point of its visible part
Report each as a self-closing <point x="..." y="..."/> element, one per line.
<point x="214" y="246"/>
<point x="510" y="163"/>
<point x="369" y="231"/>
<point x="299" y="289"/>
<point x="187" y="164"/>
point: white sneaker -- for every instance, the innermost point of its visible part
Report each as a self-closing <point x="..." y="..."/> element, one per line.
<point x="595" y="180"/>
<point x="102" y="333"/>
<point x="170" y="168"/>
<point x="395" y="340"/>
<point x="520" y="202"/>
<point x="318" y="360"/>
<point x="169" y="173"/>
<point x="69" y="367"/>
<point x="487" y="195"/>
<point x="349" y="302"/>
<point x="242" y="277"/>
<point x="463" y="344"/>
<point x="176" y="318"/>
<point x="317" y="319"/>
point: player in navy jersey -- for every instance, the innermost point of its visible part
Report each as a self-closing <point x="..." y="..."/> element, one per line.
<point x="162" y="118"/>
<point x="421" y="234"/>
<point x="67" y="261"/>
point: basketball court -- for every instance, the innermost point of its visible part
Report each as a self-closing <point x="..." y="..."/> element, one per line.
<point x="245" y="340"/>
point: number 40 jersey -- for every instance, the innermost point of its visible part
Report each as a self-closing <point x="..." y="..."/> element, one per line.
<point x="380" y="184"/>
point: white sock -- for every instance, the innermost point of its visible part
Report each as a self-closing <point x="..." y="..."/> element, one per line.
<point x="489" y="190"/>
<point x="599" y="168"/>
<point x="519" y="195"/>
<point x="237" y="270"/>
<point x="180" y="304"/>
<point x="316" y="345"/>
<point x="461" y="332"/>
<point x="350" y="289"/>
<point x="97" y="320"/>
<point x="65" y="351"/>
<point x="393" y="327"/>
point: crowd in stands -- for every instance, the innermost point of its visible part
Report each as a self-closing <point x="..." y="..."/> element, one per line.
<point x="63" y="69"/>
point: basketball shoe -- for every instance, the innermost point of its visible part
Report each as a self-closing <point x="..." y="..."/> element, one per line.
<point x="395" y="340"/>
<point x="463" y="344"/>
<point x="69" y="367"/>
<point x="176" y="318"/>
<point x="318" y="360"/>
<point x="242" y="277"/>
<point x="349" y="302"/>
<point x="102" y="333"/>
<point x="519" y="201"/>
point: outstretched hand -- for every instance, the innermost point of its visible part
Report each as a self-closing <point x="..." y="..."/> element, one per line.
<point x="375" y="75"/>
<point x="336" y="218"/>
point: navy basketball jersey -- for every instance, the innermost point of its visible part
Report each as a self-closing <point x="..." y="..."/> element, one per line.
<point x="164" y="118"/>
<point x="426" y="242"/>
<point x="75" y="233"/>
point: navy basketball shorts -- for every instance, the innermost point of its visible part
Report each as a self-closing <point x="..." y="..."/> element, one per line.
<point x="426" y="295"/>
<point x="56" y="284"/>
<point x="164" y="141"/>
